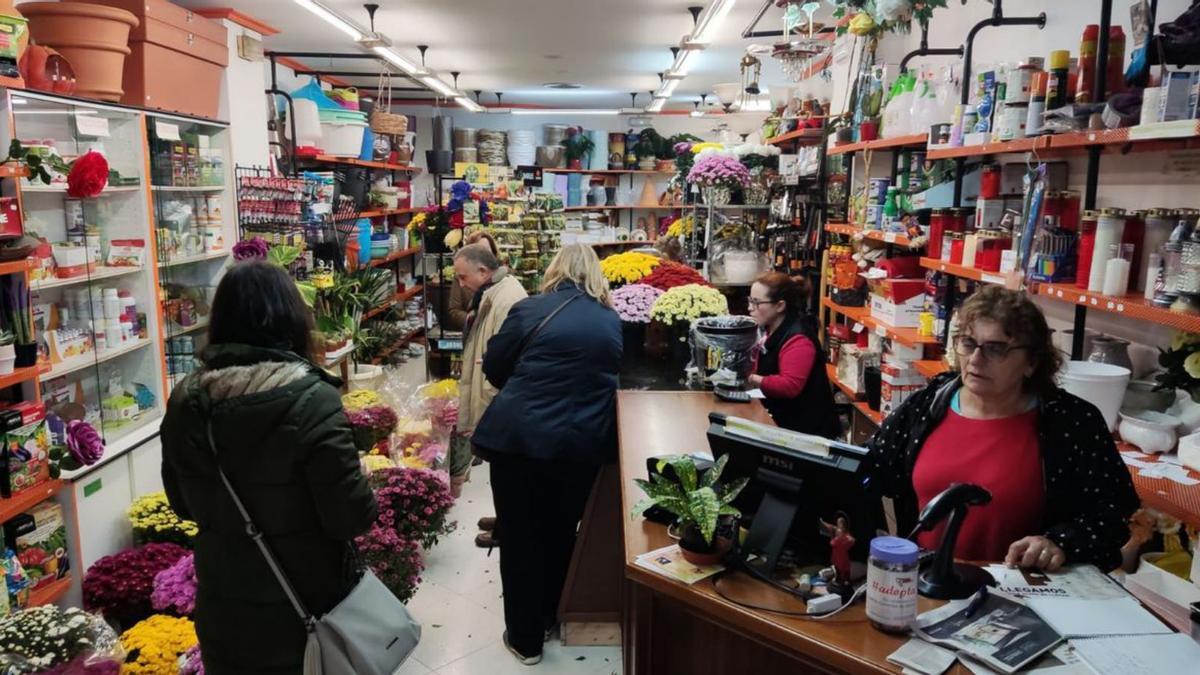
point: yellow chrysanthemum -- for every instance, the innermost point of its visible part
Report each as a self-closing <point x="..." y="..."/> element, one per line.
<point x="359" y="399"/>
<point x="699" y="147"/>
<point x="156" y="644"/>
<point x="681" y="227"/>
<point x="447" y="389"/>
<point x="628" y="268"/>
<point x="373" y="463"/>
<point x="687" y="303"/>
<point x="1182" y="339"/>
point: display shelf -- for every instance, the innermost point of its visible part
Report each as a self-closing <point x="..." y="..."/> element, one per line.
<point x="931" y="369"/>
<point x="806" y="136"/>
<point x="77" y="363"/>
<point x="384" y="213"/>
<point x="912" y="141"/>
<point x="394" y="256"/>
<point x="1031" y="144"/>
<point x="970" y="272"/>
<point x="120" y="440"/>
<point x="50" y="593"/>
<point x="351" y="161"/>
<point x="606" y="244"/>
<point x="1174" y="499"/>
<point x="100" y="274"/>
<point x="612" y="172"/>
<point x="190" y="259"/>
<point x="26" y="499"/>
<point x="19" y="375"/>
<point x="15" y="266"/>
<point x="14" y="170"/>
<point x="909" y="337"/>
<point x="1160" y="136"/>
<point x="622" y="207"/>
<point x="831" y="373"/>
<point x="397" y="345"/>
<point x="62" y="189"/>
<point x="187" y="188"/>
<point x="402" y="296"/>
<point x="1133" y="306"/>
<point x="409" y="294"/>
<point x="175" y="330"/>
<point x="852" y="230"/>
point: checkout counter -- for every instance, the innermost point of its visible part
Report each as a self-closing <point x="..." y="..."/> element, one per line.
<point x="669" y="628"/>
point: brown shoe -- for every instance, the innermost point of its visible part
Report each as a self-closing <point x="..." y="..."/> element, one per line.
<point x="486" y="540"/>
<point x="488" y="523"/>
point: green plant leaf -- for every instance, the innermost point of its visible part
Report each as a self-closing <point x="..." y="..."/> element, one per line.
<point x="283" y="255"/>
<point x="640" y="508"/>
<point x="730" y="492"/>
<point x="685" y="468"/>
<point x="710" y="478"/>
<point x="308" y="292"/>
<point x="727" y="510"/>
<point x="703" y="509"/>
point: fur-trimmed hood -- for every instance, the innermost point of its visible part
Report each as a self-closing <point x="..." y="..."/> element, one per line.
<point x="234" y="381"/>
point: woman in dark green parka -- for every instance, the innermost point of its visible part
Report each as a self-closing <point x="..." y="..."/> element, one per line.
<point x="283" y="439"/>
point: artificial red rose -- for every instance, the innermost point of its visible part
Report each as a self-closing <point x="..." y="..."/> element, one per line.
<point x="88" y="176"/>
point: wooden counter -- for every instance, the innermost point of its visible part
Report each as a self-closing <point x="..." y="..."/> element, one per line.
<point x="670" y="628"/>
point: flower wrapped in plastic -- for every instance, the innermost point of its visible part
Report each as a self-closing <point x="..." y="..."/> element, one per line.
<point x="153" y="520"/>
<point x="360" y="398"/>
<point x="175" y="588"/>
<point x="372" y="425"/>
<point x="628" y="267"/>
<point x="47" y="639"/>
<point x="156" y="645"/>
<point x="688" y="303"/>
<point x="373" y="463"/>
<point x="633" y="302"/>
<point x="119" y="586"/>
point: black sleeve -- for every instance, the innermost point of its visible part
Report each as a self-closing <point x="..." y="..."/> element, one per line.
<point x="169" y="436"/>
<point x="1097" y="499"/>
<point x="503" y="350"/>
<point x="344" y="501"/>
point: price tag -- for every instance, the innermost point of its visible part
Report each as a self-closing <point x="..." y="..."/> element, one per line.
<point x="166" y="131"/>
<point x="858" y="328"/>
<point x="890" y="237"/>
<point x="89" y="124"/>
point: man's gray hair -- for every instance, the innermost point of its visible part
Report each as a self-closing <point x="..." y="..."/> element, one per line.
<point x="478" y="254"/>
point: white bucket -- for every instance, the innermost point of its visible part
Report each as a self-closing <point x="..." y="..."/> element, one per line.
<point x="308" y="123"/>
<point x="342" y="140"/>
<point x="1101" y="384"/>
<point x="365" y="376"/>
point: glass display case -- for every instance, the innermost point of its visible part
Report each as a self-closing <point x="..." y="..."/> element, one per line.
<point x="195" y="229"/>
<point x="93" y="294"/>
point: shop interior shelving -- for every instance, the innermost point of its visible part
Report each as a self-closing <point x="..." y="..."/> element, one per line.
<point x="852" y="230"/>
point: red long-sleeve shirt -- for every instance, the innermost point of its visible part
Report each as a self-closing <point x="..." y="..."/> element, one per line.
<point x="796" y="359"/>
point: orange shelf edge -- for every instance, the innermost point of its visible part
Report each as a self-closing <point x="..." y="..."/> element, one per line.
<point x="810" y="135"/>
<point x="26" y="499"/>
<point x="853" y="230"/>
<point x="931" y="369"/>
<point x="392" y="257"/>
<point x="329" y="159"/>
<point x="50" y="593"/>
<point x="1133" y="306"/>
<point x="913" y="140"/>
<point x="14" y="266"/>
<point x="1174" y="499"/>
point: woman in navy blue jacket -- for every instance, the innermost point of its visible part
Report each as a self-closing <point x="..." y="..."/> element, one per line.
<point x="555" y="361"/>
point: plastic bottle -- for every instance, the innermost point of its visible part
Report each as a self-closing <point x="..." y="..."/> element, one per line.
<point x="1037" y="103"/>
<point x="1057" y="87"/>
<point x="891" y="211"/>
<point x="1087" y="64"/>
<point x="1115" y="78"/>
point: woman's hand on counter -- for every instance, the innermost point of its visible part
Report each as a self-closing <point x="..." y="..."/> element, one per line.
<point x="755" y="381"/>
<point x="1036" y="552"/>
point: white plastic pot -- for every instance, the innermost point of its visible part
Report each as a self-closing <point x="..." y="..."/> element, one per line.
<point x="365" y="376"/>
<point x="1152" y="432"/>
<point x="8" y="359"/>
<point x="308" y="123"/>
<point x="1101" y="384"/>
<point x="342" y="140"/>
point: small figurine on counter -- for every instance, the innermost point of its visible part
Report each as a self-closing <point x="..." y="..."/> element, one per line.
<point x="840" y="541"/>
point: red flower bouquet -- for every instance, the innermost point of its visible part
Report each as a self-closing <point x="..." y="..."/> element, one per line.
<point x="88" y="176"/>
<point x="394" y="559"/>
<point x="371" y="425"/>
<point x="119" y="586"/>
<point x="668" y="275"/>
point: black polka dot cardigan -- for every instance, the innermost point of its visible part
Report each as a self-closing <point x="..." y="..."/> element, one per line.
<point x="1089" y="493"/>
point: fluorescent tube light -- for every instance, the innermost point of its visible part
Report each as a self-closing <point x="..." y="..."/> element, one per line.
<point x="683" y="62"/>
<point x="469" y="104"/>
<point x="440" y="87"/>
<point x="389" y="55"/>
<point x="668" y="89"/>
<point x="656" y="105"/>
<point x="707" y="28"/>
<point x="565" y="111"/>
<point x="331" y="18"/>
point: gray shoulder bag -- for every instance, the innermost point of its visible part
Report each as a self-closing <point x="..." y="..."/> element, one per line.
<point x="370" y="632"/>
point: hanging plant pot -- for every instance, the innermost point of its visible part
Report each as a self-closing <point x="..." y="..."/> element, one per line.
<point x="94" y="39"/>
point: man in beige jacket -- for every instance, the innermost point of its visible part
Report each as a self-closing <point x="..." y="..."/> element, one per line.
<point x="493" y="293"/>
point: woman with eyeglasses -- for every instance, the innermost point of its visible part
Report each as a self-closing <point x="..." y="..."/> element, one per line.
<point x="790" y="367"/>
<point x="1060" y="492"/>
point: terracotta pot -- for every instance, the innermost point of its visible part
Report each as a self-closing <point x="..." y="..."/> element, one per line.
<point x="665" y="165"/>
<point x="93" y="38"/>
<point x="47" y="70"/>
<point x="575" y="164"/>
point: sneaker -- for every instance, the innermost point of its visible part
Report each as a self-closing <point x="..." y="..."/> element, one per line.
<point x="487" y="523"/>
<point x="486" y="540"/>
<point x="525" y="660"/>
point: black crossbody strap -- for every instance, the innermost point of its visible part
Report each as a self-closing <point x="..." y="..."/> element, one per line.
<point x="254" y="533"/>
<point x="537" y="329"/>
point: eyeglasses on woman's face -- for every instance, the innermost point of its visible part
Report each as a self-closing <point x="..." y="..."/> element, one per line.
<point x="993" y="350"/>
<point x="756" y="302"/>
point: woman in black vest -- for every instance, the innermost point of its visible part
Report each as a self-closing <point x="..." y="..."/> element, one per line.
<point x="791" y="364"/>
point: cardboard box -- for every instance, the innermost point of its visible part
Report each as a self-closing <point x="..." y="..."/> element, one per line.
<point x="39" y="538"/>
<point x="898" y="302"/>
<point x="28" y="455"/>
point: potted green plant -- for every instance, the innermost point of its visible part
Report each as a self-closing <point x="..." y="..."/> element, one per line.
<point x="648" y="147"/>
<point x="579" y="145"/>
<point x="701" y="505"/>
<point x="8" y="353"/>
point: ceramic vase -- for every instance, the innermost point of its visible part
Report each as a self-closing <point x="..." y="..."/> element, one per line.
<point x="610" y="194"/>
<point x="616" y="151"/>
<point x="647" y="163"/>
<point x="716" y="195"/>
<point x="94" y="39"/>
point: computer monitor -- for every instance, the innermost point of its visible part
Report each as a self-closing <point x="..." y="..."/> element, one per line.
<point x="796" y="481"/>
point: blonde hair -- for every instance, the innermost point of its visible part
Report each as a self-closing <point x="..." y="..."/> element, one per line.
<point x="578" y="264"/>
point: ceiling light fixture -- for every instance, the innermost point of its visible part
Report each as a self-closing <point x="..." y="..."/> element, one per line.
<point x="668" y="89"/>
<point x="704" y="29"/>
<point x="565" y="111"/>
<point x="707" y="27"/>
<point x="388" y="54"/>
<point x="332" y="19"/>
<point x="469" y="104"/>
<point x="436" y="84"/>
<point x="656" y="105"/>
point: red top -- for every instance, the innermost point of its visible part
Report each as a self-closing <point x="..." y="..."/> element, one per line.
<point x="1001" y="455"/>
<point x="796" y="359"/>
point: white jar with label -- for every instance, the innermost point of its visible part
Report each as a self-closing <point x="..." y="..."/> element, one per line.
<point x="892" y="571"/>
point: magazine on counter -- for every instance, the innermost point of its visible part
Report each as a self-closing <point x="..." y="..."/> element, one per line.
<point x="668" y="561"/>
<point x="997" y="629"/>
<point x="1079" y="581"/>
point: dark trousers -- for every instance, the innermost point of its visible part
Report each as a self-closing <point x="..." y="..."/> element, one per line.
<point x="538" y="507"/>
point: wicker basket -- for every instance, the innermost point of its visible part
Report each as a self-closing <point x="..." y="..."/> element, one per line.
<point x="382" y="121"/>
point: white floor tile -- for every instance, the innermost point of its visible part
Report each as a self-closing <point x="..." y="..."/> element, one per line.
<point x="556" y="660"/>
<point x="451" y="625"/>
<point x="413" y="667"/>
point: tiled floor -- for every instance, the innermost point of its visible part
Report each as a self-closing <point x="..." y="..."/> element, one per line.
<point x="459" y="605"/>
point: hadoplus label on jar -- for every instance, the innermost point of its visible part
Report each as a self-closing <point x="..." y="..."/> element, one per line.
<point x="892" y="583"/>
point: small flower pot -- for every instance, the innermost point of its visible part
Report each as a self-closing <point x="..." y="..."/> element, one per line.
<point x="575" y="164"/>
<point x="716" y="195"/>
<point x="8" y="359"/>
<point x="27" y="355"/>
<point x="665" y="165"/>
<point x="646" y="163"/>
<point x="699" y="552"/>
